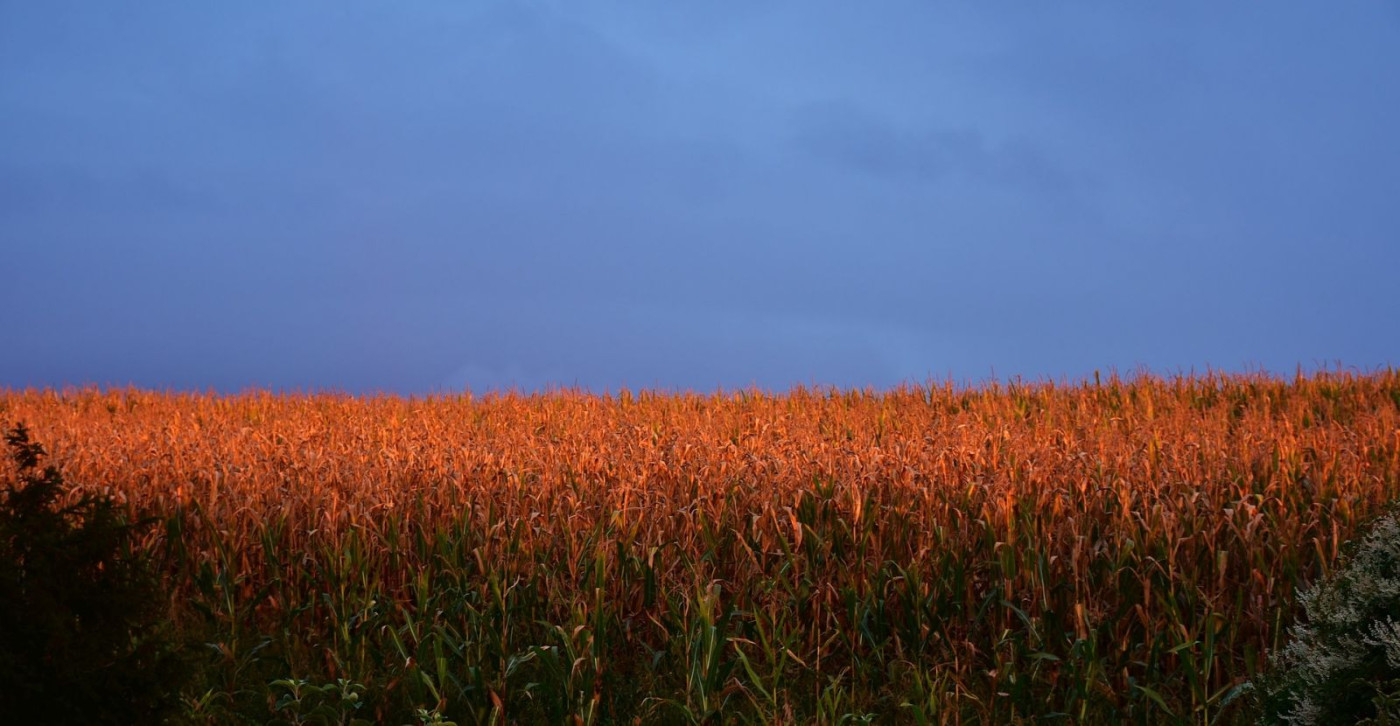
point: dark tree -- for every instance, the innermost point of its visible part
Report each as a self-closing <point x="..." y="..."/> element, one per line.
<point x="82" y="631"/>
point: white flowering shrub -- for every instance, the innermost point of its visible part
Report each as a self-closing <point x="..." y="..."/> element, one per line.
<point x="1342" y="665"/>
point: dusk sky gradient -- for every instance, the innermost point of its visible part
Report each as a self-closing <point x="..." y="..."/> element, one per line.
<point x="422" y="196"/>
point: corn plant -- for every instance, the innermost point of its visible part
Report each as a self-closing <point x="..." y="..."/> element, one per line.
<point x="1114" y="550"/>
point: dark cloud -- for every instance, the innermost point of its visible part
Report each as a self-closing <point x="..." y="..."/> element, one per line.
<point x="849" y="137"/>
<point x="843" y="134"/>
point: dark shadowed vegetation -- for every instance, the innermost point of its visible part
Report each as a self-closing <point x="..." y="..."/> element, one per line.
<point x="81" y="611"/>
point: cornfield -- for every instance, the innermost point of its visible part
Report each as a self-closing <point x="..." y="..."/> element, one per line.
<point x="1124" y="550"/>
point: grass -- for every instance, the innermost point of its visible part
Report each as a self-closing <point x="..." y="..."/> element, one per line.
<point x="1124" y="551"/>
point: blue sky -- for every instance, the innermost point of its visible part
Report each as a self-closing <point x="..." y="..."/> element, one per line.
<point x="421" y="196"/>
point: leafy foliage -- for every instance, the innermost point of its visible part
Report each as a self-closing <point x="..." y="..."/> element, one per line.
<point x="81" y="636"/>
<point x="1343" y="664"/>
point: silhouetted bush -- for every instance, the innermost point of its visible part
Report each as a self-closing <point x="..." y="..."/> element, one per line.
<point x="81" y="612"/>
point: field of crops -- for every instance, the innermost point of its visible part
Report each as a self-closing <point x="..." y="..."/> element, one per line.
<point x="1115" y="551"/>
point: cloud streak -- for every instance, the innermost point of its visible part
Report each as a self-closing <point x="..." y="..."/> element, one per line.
<point x="843" y="134"/>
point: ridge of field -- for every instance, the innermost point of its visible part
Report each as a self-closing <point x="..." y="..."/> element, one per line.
<point x="1120" y="550"/>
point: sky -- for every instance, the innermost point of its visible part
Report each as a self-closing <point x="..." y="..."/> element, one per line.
<point x="431" y="196"/>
